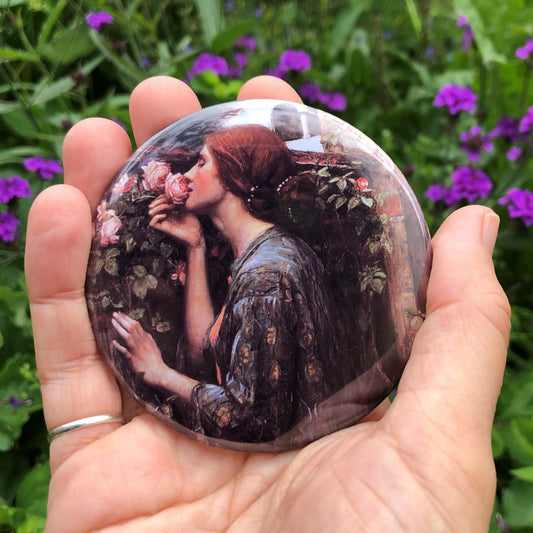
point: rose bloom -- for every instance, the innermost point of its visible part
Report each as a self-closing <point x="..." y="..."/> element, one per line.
<point x="110" y="226"/>
<point x="177" y="188"/>
<point x="361" y="183"/>
<point x="124" y="184"/>
<point x="155" y="175"/>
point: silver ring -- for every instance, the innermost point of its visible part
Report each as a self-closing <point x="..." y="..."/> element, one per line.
<point x="83" y="423"/>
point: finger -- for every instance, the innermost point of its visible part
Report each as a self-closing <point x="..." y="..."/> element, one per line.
<point x="94" y="150"/>
<point x="456" y="367"/>
<point x="157" y="102"/>
<point x="268" y="87"/>
<point x="122" y="349"/>
<point x="119" y="328"/>
<point x="75" y="381"/>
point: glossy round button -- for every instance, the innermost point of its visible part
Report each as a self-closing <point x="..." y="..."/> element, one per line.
<point x="257" y="275"/>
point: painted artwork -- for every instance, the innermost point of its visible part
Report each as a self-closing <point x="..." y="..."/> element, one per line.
<point x="257" y="275"/>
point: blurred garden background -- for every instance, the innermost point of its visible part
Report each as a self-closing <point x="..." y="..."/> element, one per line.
<point x="444" y="86"/>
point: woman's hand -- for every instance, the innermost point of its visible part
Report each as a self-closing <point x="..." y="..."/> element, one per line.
<point x="176" y="222"/>
<point x="422" y="464"/>
<point x="142" y="351"/>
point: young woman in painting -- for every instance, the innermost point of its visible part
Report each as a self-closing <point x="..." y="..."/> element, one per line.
<point x="272" y="350"/>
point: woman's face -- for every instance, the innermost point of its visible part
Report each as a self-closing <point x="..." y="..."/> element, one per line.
<point x="205" y="188"/>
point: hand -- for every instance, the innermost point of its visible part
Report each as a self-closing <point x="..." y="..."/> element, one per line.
<point x="176" y="222"/>
<point x="142" y="351"/>
<point x="423" y="463"/>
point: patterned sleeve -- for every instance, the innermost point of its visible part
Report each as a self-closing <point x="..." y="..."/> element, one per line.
<point x="255" y="402"/>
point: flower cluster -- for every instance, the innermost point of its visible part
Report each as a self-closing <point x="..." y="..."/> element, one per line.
<point x="519" y="202"/>
<point x="474" y="142"/>
<point x="158" y="177"/>
<point x="456" y="99"/>
<point x="11" y="188"/>
<point x="526" y="124"/>
<point x="467" y="184"/>
<point x="212" y="62"/>
<point x="468" y="34"/>
<point x="313" y="93"/>
<point x="14" y="187"/>
<point x="525" y="52"/>
<point x="471" y="184"/>
<point x="98" y="19"/>
<point x="46" y="168"/>
<point x="291" y="60"/>
<point x="109" y="224"/>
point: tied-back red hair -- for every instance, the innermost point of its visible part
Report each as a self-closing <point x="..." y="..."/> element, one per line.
<point x="252" y="161"/>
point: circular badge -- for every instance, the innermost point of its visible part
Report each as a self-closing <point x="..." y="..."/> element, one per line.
<point x="257" y="275"/>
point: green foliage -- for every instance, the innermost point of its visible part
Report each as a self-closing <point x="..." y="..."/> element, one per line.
<point x="388" y="58"/>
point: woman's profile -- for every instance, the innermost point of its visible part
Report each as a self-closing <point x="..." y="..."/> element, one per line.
<point x="271" y="355"/>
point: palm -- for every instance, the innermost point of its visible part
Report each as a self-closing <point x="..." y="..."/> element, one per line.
<point x="168" y="482"/>
<point x="423" y="464"/>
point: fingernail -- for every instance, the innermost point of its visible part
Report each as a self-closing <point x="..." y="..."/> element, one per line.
<point x="491" y="223"/>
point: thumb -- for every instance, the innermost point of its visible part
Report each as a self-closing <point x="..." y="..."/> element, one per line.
<point x="456" y="367"/>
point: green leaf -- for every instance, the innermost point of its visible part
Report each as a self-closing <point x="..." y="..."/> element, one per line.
<point x="412" y="10"/>
<point x="67" y="45"/>
<point x="211" y="18"/>
<point x="23" y="123"/>
<point x="516" y="504"/>
<point x="525" y="473"/>
<point x="19" y="382"/>
<point x="469" y="9"/>
<point x="11" y="54"/>
<point x="353" y="203"/>
<point x="345" y="26"/>
<point x="46" y="91"/>
<point x="340" y="202"/>
<point x="518" y="435"/>
<point x="32" y="494"/>
<point x="369" y="202"/>
<point x="226" y="38"/>
<point x="16" y="154"/>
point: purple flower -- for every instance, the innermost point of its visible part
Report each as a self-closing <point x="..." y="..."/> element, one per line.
<point x="146" y="61"/>
<point x="506" y="127"/>
<point x="519" y="202"/>
<point x="334" y="101"/>
<point x="297" y="60"/>
<point x="240" y="59"/>
<point x="469" y="184"/>
<point x="96" y="20"/>
<point x="14" y="187"/>
<point x="456" y="99"/>
<point x="474" y="143"/>
<point x="46" y="168"/>
<point x="276" y="72"/>
<point x="228" y="7"/>
<point x="246" y="43"/>
<point x="525" y="52"/>
<point x="526" y="124"/>
<point x="436" y="192"/>
<point x="216" y="64"/>
<point x="8" y="226"/>
<point x="468" y="34"/>
<point x="311" y="91"/>
<point x="514" y="153"/>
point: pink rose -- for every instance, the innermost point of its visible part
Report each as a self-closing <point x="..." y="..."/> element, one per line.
<point x="154" y="175"/>
<point x="124" y="184"/>
<point x="110" y="226"/>
<point x="177" y="188"/>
